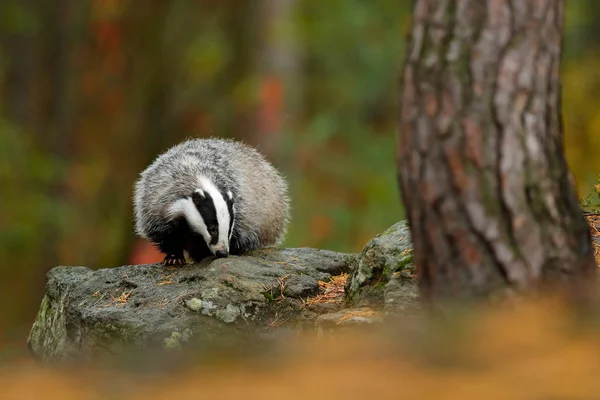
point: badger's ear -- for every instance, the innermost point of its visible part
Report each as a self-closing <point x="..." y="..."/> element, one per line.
<point x="197" y="196"/>
<point x="230" y="195"/>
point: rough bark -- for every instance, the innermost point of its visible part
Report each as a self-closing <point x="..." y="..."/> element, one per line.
<point x="481" y="165"/>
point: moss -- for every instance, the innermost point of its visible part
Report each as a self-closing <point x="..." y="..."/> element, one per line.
<point x="372" y="290"/>
<point x="367" y="294"/>
<point x="383" y="279"/>
<point x="269" y="296"/>
<point x="388" y="270"/>
<point x="230" y="284"/>
<point x="403" y="263"/>
<point x="387" y="232"/>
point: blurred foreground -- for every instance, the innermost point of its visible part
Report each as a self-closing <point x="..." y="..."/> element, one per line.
<point x="536" y="350"/>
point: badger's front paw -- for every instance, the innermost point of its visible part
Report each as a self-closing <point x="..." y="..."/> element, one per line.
<point x="174" y="260"/>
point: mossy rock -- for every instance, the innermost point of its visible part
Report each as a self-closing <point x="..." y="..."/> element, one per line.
<point x="383" y="274"/>
<point x="87" y="313"/>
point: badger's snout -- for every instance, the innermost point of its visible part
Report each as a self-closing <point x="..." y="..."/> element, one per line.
<point x="221" y="253"/>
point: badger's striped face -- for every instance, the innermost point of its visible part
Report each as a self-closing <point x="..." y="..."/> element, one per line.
<point x="210" y="213"/>
<point x="216" y="212"/>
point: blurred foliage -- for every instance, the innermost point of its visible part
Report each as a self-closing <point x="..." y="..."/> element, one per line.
<point x="580" y="79"/>
<point x="91" y="91"/>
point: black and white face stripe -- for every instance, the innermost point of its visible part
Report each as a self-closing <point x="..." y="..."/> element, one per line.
<point x="209" y="213"/>
<point x="206" y="207"/>
<point x="230" y="208"/>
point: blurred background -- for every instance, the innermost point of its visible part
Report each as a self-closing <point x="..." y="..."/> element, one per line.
<point x="91" y="91"/>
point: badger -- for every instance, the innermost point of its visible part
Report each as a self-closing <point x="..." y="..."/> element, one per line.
<point x="210" y="197"/>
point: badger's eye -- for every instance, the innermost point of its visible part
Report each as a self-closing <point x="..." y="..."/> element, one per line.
<point x="212" y="229"/>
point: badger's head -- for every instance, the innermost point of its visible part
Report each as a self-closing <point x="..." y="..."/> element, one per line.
<point x="209" y="213"/>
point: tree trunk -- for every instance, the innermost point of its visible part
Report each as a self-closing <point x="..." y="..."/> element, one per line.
<point x="481" y="165"/>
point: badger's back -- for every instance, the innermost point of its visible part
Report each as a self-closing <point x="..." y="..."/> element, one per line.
<point x="260" y="193"/>
<point x="262" y="202"/>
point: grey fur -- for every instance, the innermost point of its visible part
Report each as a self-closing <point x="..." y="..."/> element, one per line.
<point x="260" y="192"/>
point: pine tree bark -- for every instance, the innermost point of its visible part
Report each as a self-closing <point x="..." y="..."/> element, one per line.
<point x="481" y="165"/>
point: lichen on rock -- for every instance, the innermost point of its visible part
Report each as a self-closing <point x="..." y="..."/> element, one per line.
<point x="383" y="273"/>
<point x="230" y="301"/>
<point x="86" y="312"/>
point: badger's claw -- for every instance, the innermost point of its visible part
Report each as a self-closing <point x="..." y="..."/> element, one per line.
<point x="172" y="260"/>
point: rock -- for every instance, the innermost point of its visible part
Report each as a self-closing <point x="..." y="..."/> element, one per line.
<point x="383" y="273"/>
<point x="325" y="308"/>
<point x="401" y="294"/>
<point x="107" y="311"/>
<point x="301" y="286"/>
<point x="349" y="318"/>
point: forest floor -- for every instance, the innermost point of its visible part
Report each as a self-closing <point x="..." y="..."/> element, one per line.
<point x="510" y="352"/>
<point x="528" y="345"/>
